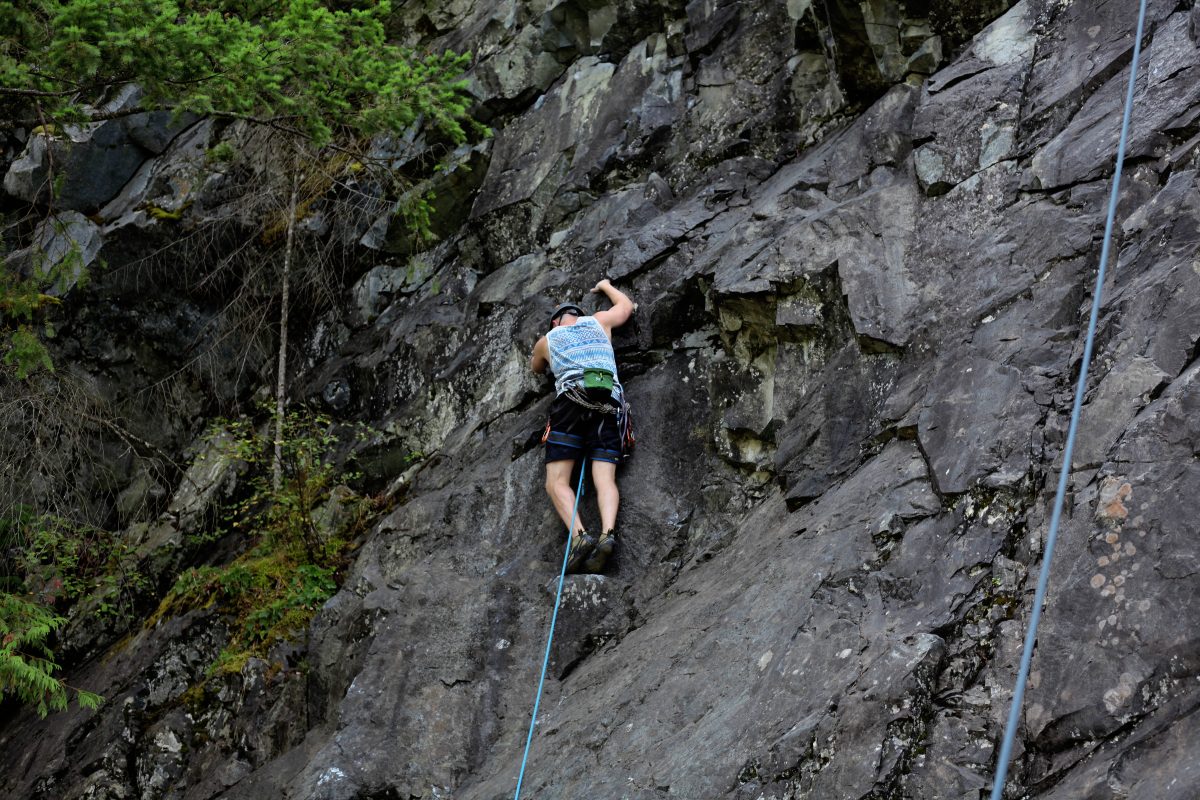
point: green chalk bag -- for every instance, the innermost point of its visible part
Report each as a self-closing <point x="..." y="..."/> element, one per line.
<point x="598" y="387"/>
<point x="597" y="379"/>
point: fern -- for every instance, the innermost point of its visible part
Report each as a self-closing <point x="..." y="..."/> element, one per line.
<point x="26" y="662"/>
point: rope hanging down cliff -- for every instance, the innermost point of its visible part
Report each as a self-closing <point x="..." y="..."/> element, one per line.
<point x="1014" y="712"/>
<point x="550" y="638"/>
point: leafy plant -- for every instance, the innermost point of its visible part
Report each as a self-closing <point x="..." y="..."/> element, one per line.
<point x="67" y="562"/>
<point x="24" y="300"/>
<point x="220" y="153"/>
<point x="13" y="524"/>
<point x="26" y="662"/>
<point x="48" y="562"/>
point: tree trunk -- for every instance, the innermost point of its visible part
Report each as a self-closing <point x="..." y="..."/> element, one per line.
<point x="281" y="374"/>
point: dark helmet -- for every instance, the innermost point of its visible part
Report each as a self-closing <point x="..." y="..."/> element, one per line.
<point x="564" y="309"/>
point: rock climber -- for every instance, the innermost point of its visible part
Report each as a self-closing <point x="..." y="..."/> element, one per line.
<point x="585" y="417"/>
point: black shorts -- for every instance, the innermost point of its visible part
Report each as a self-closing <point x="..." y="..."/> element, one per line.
<point x="577" y="432"/>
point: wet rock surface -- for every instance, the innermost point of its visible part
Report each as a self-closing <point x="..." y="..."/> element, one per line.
<point x="862" y="240"/>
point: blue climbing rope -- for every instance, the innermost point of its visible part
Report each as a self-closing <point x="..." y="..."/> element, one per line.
<point x="1014" y="712"/>
<point x="550" y="639"/>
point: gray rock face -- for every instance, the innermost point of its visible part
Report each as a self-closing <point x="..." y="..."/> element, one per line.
<point x="851" y="369"/>
<point x="94" y="161"/>
<point x="1084" y="149"/>
<point x="64" y="245"/>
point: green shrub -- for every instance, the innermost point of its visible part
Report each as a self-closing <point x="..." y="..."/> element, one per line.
<point x="271" y="592"/>
<point x="220" y="153"/>
<point x="45" y="561"/>
<point x="66" y="562"/>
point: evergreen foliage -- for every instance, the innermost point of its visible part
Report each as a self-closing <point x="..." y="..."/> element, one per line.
<point x="64" y="563"/>
<point x="310" y="67"/>
<point x="26" y="663"/>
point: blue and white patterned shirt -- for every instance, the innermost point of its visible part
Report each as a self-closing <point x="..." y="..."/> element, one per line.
<point x="574" y="348"/>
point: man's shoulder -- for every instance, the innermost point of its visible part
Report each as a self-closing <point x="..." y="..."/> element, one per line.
<point x="611" y="318"/>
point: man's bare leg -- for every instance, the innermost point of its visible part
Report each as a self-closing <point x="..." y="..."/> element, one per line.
<point x="604" y="476"/>
<point x="558" y="486"/>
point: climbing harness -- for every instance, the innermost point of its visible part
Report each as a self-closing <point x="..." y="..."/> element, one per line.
<point x="581" y="398"/>
<point x="550" y="638"/>
<point x="594" y="392"/>
<point x="1014" y="713"/>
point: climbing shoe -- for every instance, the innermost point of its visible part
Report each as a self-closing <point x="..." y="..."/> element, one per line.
<point x="600" y="553"/>
<point x="582" y="544"/>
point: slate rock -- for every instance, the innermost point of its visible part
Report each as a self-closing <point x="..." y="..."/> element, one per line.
<point x="1087" y="146"/>
<point x="976" y="424"/>
<point x="591" y="612"/>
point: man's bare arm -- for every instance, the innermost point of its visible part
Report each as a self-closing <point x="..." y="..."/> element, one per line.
<point x="541" y="356"/>
<point x="622" y="307"/>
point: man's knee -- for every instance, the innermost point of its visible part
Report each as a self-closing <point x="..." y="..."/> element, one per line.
<point x="555" y="479"/>
<point x="604" y="476"/>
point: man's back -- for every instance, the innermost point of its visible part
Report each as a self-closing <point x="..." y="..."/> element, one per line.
<point x="579" y="347"/>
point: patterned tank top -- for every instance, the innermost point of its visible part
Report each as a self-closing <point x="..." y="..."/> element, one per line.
<point x="574" y="348"/>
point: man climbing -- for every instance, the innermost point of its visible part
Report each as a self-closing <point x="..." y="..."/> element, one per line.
<point x="584" y="417"/>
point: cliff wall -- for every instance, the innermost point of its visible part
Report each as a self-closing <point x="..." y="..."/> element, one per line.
<point x="861" y="237"/>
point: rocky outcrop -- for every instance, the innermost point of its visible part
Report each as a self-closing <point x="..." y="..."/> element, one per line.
<point x="861" y="293"/>
<point x="95" y="160"/>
